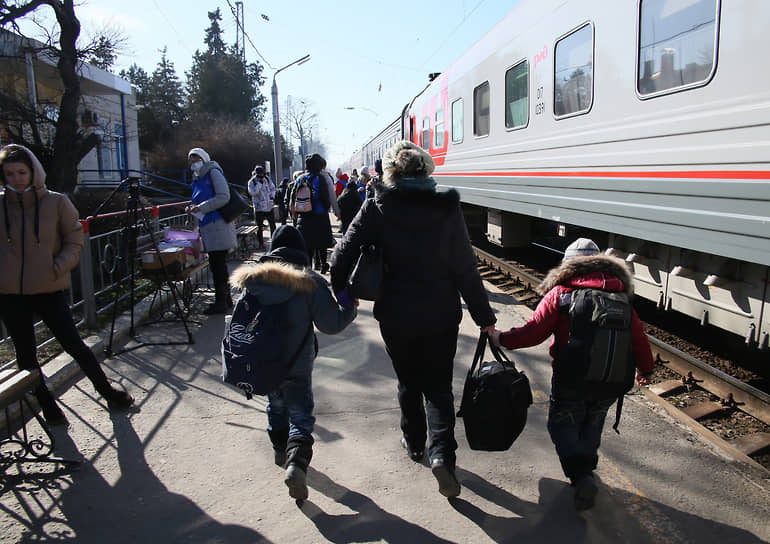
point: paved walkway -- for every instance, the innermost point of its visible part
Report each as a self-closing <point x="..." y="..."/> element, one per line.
<point x="192" y="463"/>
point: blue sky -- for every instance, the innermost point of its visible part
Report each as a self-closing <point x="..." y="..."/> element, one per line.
<point x="372" y="56"/>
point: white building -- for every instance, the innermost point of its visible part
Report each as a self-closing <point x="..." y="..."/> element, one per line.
<point x="108" y="107"/>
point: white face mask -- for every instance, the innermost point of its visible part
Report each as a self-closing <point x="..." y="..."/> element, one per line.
<point x="196" y="166"/>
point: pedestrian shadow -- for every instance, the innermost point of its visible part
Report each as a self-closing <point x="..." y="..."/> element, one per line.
<point x="83" y="507"/>
<point x="368" y="523"/>
<point x="618" y="516"/>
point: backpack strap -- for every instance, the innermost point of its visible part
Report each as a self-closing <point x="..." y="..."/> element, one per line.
<point x="618" y="409"/>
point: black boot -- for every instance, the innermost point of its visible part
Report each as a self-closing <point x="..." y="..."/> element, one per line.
<point x="279" y="438"/>
<point x="221" y="294"/>
<point x="51" y="411"/>
<point x="299" y="454"/>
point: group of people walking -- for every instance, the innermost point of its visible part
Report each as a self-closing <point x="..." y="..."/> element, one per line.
<point x="429" y="268"/>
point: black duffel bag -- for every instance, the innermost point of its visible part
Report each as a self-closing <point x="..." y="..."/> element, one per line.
<point x="496" y="397"/>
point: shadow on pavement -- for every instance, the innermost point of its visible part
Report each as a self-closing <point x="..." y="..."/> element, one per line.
<point x="370" y="523"/>
<point x="617" y="516"/>
<point x="85" y="508"/>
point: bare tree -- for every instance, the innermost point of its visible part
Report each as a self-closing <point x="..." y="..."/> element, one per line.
<point x="70" y="145"/>
<point x="301" y="121"/>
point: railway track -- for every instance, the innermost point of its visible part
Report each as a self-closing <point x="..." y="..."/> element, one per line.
<point x="728" y="412"/>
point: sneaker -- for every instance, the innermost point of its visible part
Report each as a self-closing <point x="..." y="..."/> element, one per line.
<point x="295" y="481"/>
<point x="414" y="455"/>
<point x="447" y="481"/>
<point x="585" y="492"/>
<point x="119" y="400"/>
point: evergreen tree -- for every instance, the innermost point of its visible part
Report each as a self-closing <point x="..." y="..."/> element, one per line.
<point x="166" y="92"/>
<point x="221" y="83"/>
<point x="161" y="100"/>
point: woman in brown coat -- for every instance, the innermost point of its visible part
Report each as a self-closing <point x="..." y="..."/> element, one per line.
<point x="40" y="244"/>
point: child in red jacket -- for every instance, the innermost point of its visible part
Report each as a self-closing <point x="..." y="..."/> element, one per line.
<point x="575" y="422"/>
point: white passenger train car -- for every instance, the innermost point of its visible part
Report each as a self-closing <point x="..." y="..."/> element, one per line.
<point x="643" y="123"/>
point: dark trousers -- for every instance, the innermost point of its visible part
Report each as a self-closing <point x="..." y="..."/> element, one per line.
<point x="259" y="217"/>
<point x="219" y="274"/>
<point x="18" y="313"/>
<point x="575" y="425"/>
<point x="423" y="366"/>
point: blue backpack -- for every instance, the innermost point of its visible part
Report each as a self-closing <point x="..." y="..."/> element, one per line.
<point x="254" y="348"/>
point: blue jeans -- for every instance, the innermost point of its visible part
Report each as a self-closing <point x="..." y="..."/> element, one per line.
<point x="576" y="428"/>
<point x="291" y="406"/>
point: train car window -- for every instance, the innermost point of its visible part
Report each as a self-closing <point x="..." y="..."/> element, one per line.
<point x="425" y="137"/>
<point x="677" y="44"/>
<point x="457" y="121"/>
<point x="438" y="130"/>
<point x="481" y="109"/>
<point x="517" y="96"/>
<point x="574" y="72"/>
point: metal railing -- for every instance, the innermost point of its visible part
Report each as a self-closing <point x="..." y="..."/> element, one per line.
<point x="105" y="263"/>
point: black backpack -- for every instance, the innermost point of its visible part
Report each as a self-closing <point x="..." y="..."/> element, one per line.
<point x="254" y="349"/>
<point x="496" y="397"/>
<point x="598" y="359"/>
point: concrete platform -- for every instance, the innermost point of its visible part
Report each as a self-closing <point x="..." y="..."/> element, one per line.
<point x="193" y="463"/>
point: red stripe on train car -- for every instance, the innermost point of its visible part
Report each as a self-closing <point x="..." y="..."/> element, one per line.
<point x="707" y="174"/>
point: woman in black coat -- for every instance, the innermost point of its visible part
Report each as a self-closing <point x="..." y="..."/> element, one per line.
<point x="349" y="202"/>
<point x="429" y="265"/>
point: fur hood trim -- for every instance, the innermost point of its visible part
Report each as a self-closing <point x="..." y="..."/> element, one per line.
<point x="274" y="273"/>
<point x="583" y="266"/>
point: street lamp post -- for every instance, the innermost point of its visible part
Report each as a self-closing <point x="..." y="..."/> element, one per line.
<point x="276" y="123"/>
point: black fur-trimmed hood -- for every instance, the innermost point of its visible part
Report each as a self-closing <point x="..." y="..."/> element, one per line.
<point x="579" y="267"/>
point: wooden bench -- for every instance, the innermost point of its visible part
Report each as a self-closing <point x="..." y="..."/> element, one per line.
<point x="18" y="445"/>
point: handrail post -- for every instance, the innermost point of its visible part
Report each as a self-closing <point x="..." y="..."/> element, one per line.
<point x="87" y="276"/>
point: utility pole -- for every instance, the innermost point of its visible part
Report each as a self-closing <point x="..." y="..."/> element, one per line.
<point x="240" y="30"/>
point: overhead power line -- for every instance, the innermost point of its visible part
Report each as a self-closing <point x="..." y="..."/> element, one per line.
<point x="243" y="31"/>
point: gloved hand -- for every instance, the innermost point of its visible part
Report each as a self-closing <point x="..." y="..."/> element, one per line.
<point x="344" y="299"/>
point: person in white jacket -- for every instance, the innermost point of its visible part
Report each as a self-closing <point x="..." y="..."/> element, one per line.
<point x="262" y="191"/>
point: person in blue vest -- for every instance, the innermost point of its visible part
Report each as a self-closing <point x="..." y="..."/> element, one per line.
<point x="211" y="192"/>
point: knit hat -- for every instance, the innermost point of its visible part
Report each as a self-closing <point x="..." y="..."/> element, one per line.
<point x="200" y="152"/>
<point x="365" y="171"/>
<point x="288" y="246"/>
<point x="579" y="248"/>
<point x="259" y="170"/>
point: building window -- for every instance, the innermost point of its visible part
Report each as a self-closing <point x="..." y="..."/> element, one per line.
<point x="457" y="121"/>
<point x="426" y="133"/>
<point x="574" y="74"/>
<point x="438" y="130"/>
<point x="120" y="154"/>
<point x="677" y="44"/>
<point x="481" y="109"/>
<point x="104" y="159"/>
<point x="517" y="96"/>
